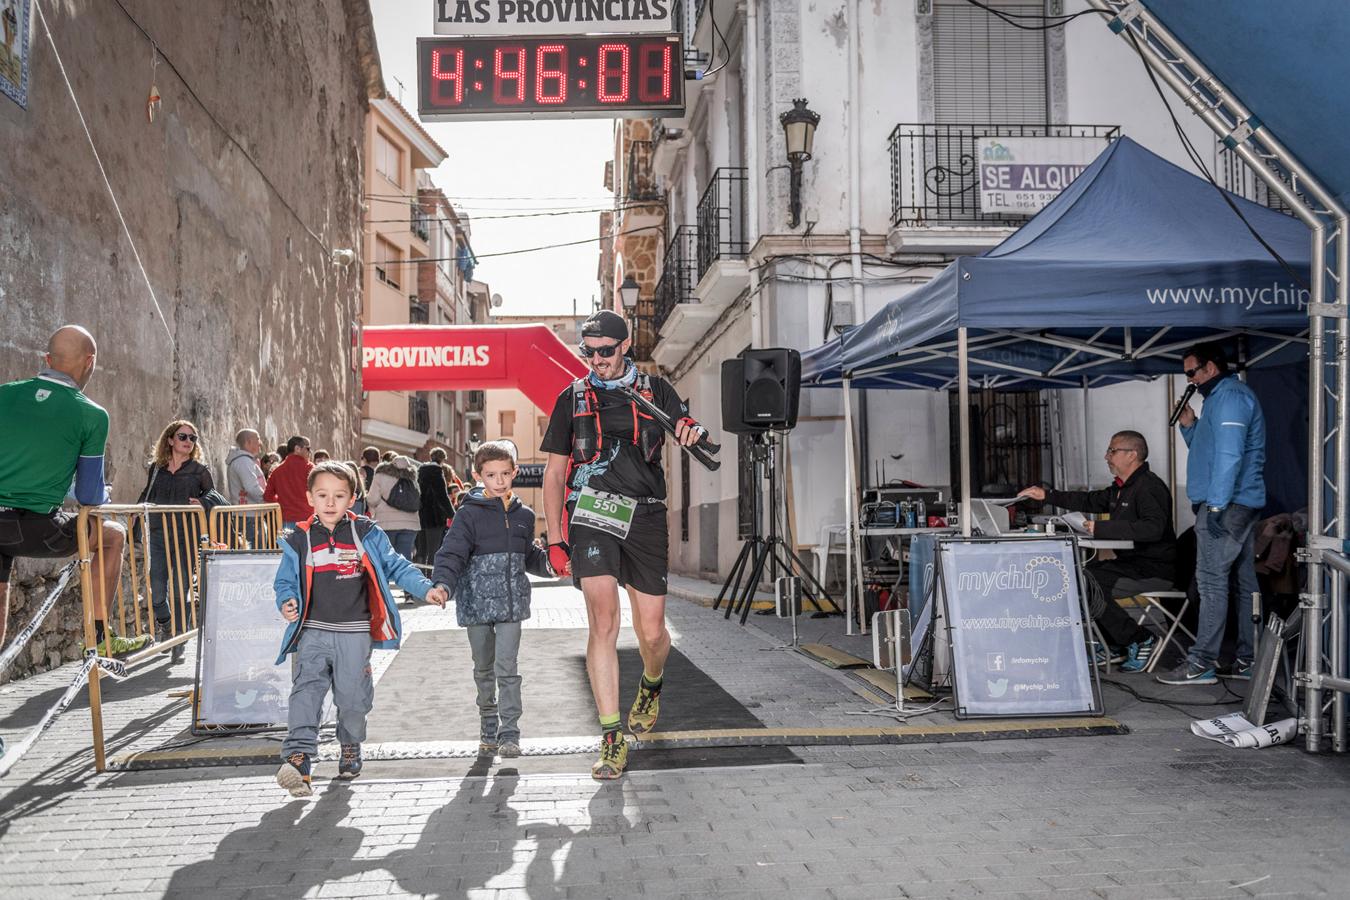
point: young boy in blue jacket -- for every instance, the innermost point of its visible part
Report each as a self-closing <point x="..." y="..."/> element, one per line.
<point x="483" y="563"/>
<point x="332" y="587"/>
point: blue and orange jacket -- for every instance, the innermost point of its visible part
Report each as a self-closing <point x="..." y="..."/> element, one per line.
<point x="381" y="563"/>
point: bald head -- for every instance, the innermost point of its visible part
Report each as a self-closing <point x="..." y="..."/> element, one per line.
<point x="71" y="350"/>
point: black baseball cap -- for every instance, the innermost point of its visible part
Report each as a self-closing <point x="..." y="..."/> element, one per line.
<point x="605" y="323"/>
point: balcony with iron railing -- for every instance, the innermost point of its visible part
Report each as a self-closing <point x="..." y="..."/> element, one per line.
<point x="419" y="414"/>
<point x="420" y="222"/>
<point x="935" y="170"/>
<point x="679" y="275"/>
<point x="640" y="181"/>
<point x="721" y="219"/>
<point x="418" y="314"/>
<point x="475" y="402"/>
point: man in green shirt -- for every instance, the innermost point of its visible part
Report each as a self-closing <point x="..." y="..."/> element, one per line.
<point x="55" y="437"/>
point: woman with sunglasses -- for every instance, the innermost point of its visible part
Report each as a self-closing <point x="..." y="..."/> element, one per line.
<point x="175" y="477"/>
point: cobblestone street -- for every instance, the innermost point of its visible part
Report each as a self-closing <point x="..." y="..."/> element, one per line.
<point x="1153" y="813"/>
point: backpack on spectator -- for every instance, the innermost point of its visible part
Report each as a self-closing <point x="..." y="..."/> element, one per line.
<point x="404" y="496"/>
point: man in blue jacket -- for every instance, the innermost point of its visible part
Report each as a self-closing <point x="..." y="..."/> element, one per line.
<point x="1226" y="485"/>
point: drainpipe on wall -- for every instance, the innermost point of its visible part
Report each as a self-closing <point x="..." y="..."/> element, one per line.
<point x="750" y="90"/>
<point x="855" y="202"/>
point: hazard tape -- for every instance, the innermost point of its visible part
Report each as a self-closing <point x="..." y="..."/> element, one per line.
<point x="113" y="667"/>
<point x="21" y="639"/>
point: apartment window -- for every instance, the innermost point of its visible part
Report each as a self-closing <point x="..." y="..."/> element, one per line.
<point x="388" y="262"/>
<point x="388" y="159"/>
<point x="985" y="70"/>
<point x="506" y="422"/>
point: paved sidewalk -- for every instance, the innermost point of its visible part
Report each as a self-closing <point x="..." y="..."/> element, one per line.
<point x="1154" y="813"/>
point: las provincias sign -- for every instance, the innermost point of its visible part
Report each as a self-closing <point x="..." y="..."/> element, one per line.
<point x="525" y="17"/>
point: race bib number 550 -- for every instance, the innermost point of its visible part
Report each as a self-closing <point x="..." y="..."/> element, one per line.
<point x="609" y="513"/>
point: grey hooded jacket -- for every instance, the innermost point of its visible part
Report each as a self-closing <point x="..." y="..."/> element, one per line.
<point x="243" y="478"/>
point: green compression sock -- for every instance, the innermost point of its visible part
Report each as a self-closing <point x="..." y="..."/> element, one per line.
<point x="609" y="723"/>
<point x="652" y="684"/>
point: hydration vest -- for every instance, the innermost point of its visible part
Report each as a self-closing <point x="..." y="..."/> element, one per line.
<point x="588" y="437"/>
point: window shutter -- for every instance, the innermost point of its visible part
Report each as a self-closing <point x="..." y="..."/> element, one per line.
<point x="986" y="71"/>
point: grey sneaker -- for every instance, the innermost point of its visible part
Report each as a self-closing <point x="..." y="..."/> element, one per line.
<point x="509" y="749"/>
<point x="1189" y="673"/>
<point x="1237" y="670"/>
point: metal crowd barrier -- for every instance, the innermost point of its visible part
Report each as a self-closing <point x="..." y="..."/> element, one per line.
<point x="159" y="569"/>
<point x="251" y="526"/>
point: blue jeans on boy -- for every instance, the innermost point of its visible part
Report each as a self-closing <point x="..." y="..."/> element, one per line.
<point x="1215" y="559"/>
<point x="328" y="660"/>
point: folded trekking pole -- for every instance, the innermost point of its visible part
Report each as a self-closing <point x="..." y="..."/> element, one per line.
<point x="703" y="451"/>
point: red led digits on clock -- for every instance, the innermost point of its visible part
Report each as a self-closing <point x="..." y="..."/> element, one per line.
<point x="508" y="64"/>
<point x="654" y="70"/>
<point x="550" y="82"/>
<point x="612" y="61"/>
<point x="443" y="76"/>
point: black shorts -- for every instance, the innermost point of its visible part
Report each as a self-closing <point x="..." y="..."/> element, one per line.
<point x="638" y="561"/>
<point x="27" y="533"/>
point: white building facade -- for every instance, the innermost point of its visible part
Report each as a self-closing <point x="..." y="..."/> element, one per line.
<point x="904" y="90"/>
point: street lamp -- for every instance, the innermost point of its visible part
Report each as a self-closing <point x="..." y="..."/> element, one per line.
<point x="799" y="128"/>
<point x="628" y="293"/>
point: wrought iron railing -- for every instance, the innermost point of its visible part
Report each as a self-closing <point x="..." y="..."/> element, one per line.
<point x="1233" y="174"/>
<point x="420" y="222"/>
<point x="640" y="181"/>
<point x="934" y="171"/>
<point x="721" y="219"/>
<point x="418" y="314"/>
<point x="679" y="275"/>
<point x="419" y="414"/>
<point x="475" y="402"/>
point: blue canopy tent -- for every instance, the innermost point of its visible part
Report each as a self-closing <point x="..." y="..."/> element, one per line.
<point x="1135" y="261"/>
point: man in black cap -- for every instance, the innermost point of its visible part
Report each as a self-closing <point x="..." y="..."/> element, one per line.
<point x="604" y="469"/>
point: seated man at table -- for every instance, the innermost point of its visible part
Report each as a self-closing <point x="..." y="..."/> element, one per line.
<point x="1140" y="506"/>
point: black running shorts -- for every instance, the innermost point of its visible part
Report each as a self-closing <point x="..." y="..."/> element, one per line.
<point x="638" y="561"/>
<point x="27" y="533"/>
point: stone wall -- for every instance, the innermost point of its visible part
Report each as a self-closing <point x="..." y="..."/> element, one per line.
<point x="251" y="321"/>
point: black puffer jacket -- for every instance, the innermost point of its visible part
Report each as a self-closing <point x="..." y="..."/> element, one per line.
<point x="1141" y="511"/>
<point x="484" y="559"/>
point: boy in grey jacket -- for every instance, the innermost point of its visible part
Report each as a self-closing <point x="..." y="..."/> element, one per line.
<point x="482" y="564"/>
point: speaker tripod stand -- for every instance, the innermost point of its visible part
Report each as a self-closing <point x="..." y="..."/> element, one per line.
<point x="759" y="551"/>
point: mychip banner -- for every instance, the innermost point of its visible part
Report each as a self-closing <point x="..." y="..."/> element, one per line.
<point x="239" y="685"/>
<point x="1015" y="618"/>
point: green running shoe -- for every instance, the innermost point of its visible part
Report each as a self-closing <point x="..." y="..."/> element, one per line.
<point x="613" y="757"/>
<point x="646" y="707"/>
<point x="114" y="646"/>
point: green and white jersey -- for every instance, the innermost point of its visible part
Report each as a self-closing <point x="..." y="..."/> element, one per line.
<point x="51" y="430"/>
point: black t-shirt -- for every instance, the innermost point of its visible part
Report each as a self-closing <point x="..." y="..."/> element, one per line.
<point x="620" y="469"/>
<point x="339" y="596"/>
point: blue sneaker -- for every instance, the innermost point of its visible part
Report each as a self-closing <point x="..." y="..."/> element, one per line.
<point x="349" y="765"/>
<point x="1189" y="673"/>
<point x="1138" y="655"/>
<point x="1101" y="656"/>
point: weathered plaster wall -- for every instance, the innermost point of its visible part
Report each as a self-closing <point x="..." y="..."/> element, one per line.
<point x="255" y="326"/>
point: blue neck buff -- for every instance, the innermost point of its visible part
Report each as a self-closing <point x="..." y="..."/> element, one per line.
<point x="627" y="379"/>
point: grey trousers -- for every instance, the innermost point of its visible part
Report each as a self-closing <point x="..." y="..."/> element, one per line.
<point x="326" y="660"/>
<point x="495" y="648"/>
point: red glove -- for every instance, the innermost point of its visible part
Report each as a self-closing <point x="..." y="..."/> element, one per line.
<point x="560" y="557"/>
<point x="699" y="429"/>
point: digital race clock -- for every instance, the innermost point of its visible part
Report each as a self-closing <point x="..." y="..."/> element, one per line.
<point x="567" y="76"/>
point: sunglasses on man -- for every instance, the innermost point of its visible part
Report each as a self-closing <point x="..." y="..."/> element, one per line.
<point x="182" y="436"/>
<point x="604" y="352"/>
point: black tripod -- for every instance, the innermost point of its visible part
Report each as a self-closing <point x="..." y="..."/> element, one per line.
<point x="758" y="551"/>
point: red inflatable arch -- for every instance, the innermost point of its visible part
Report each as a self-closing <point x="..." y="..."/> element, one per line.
<point x="529" y="358"/>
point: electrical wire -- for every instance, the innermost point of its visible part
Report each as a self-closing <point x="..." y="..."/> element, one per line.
<point x="1048" y="22"/>
<point x="1230" y="696"/>
<point x="726" y="48"/>
<point x="482" y="256"/>
<point x="524" y="215"/>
